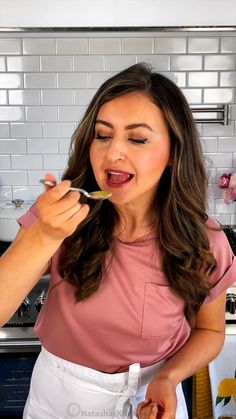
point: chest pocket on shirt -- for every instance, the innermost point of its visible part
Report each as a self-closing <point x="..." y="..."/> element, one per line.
<point x="162" y="311"/>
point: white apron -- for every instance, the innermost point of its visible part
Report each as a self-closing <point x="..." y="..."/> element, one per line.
<point x="63" y="390"/>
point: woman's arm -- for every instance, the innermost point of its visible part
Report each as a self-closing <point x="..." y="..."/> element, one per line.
<point x="203" y="345"/>
<point x="22" y="265"/>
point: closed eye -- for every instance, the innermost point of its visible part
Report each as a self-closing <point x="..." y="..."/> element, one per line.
<point x="138" y="140"/>
<point x="101" y="137"/>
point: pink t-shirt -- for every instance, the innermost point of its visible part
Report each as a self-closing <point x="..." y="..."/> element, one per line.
<point x="133" y="317"/>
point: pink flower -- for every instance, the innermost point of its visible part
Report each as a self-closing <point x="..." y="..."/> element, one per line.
<point x="229" y="195"/>
<point x="223" y="181"/>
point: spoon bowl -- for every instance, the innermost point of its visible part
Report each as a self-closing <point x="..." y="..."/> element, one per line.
<point x="97" y="195"/>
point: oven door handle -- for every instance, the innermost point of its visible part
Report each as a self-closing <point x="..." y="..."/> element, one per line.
<point x="22" y="343"/>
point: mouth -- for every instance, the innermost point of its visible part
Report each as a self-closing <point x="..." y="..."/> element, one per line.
<point x="117" y="178"/>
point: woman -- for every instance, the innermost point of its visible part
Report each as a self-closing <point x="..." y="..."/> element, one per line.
<point x="137" y="293"/>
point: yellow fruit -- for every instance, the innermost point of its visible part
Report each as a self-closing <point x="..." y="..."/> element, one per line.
<point x="227" y="387"/>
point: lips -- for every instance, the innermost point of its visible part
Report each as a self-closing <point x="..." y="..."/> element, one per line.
<point x="116" y="178"/>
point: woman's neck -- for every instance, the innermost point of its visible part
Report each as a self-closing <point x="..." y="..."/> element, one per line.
<point x="131" y="227"/>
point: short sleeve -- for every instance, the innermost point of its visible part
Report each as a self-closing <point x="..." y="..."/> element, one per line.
<point x="225" y="274"/>
<point x="29" y="217"/>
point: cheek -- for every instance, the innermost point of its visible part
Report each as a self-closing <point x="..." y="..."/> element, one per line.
<point x="155" y="163"/>
<point x="92" y="158"/>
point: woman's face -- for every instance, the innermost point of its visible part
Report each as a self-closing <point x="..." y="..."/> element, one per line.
<point x="130" y="149"/>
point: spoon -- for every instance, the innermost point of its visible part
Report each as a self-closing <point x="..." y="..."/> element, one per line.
<point x="93" y="195"/>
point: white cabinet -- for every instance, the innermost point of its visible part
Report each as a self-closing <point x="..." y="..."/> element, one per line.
<point x="116" y="13"/>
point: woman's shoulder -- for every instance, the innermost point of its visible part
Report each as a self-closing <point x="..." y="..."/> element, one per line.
<point x="218" y="240"/>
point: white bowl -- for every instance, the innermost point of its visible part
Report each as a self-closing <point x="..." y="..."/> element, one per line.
<point x="8" y="224"/>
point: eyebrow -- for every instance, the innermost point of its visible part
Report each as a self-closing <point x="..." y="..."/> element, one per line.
<point x="127" y="127"/>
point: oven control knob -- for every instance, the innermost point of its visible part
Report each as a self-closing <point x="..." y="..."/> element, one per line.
<point x="39" y="302"/>
<point x="24" y="308"/>
<point x="231" y="303"/>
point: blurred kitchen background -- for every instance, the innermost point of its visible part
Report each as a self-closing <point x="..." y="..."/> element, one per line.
<point x="48" y="78"/>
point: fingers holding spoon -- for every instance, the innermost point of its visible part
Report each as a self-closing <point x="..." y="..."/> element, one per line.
<point x="97" y="195"/>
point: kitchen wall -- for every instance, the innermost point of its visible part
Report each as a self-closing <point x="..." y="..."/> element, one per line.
<point x="48" y="78"/>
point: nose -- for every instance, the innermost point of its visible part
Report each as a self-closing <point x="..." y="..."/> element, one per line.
<point x="116" y="150"/>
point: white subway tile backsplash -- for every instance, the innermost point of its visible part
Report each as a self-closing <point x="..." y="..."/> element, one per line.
<point x="209" y="144"/>
<point x="232" y="111"/>
<point x="5" y="162"/>
<point x="177" y="77"/>
<point x="218" y="130"/>
<point x="13" y="177"/>
<point x="222" y="208"/>
<point x="11" y="146"/>
<point x="71" y="113"/>
<point x="39" y="146"/>
<point x="23" y="63"/>
<point x="72" y="46"/>
<point x="72" y="80"/>
<point x="158" y="62"/>
<point x="203" y="45"/>
<point x="11" y="81"/>
<point x="41" y="113"/>
<point x="38" y="46"/>
<point x="4" y="130"/>
<point x="137" y="46"/>
<point x="234" y="162"/>
<point x="202" y="79"/>
<point x="232" y="219"/>
<point x="40" y="80"/>
<point x="62" y="74"/>
<point x="220" y="159"/>
<point x="56" y="63"/>
<point x="227" y="144"/>
<point x="212" y="175"/>
<point x="26" y="130"/>
<point x="64" y="145"/>
<point x="3" y="97"/>
<point x="96" y="79"/>
<point x="2" y="64"/>
<point x="218" y="95"/>
<point x="186" y="62"/>
<point x="57" y="97"/>
<point x="169" y="45"/>
<point x="193" y="96"/>
<point x="11" y="113"/>
<point x="24" y="97"/>
<point x="5" y="193"/>
<point x="119" y="62"/>
<point x="228" y="78"/>
<point x="210" y="206"/>
<point x="89" y="63"/>
<point x="224" y="219"/>
<point x="55" y="161"/>
<point x="104" y="46"/>
<point x="10" y="46"/>
<point x="28" y="193"/>
<point x="26" y="162"/>
<point x="228" y="44"/>
<point x="219" y="62"/>
<point x="83" y="96"/>
<point x="58" y="129"/>
<point x="214" y="192"/>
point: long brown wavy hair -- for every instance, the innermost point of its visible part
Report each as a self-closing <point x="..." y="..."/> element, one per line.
<point x="180" y="197"/>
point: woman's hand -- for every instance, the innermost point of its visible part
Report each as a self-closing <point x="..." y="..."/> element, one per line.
<point x="162" y="392"/>
<point x="59" y="210"/>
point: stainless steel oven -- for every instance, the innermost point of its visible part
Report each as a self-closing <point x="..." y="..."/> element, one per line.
<point x="19" y="349"/>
